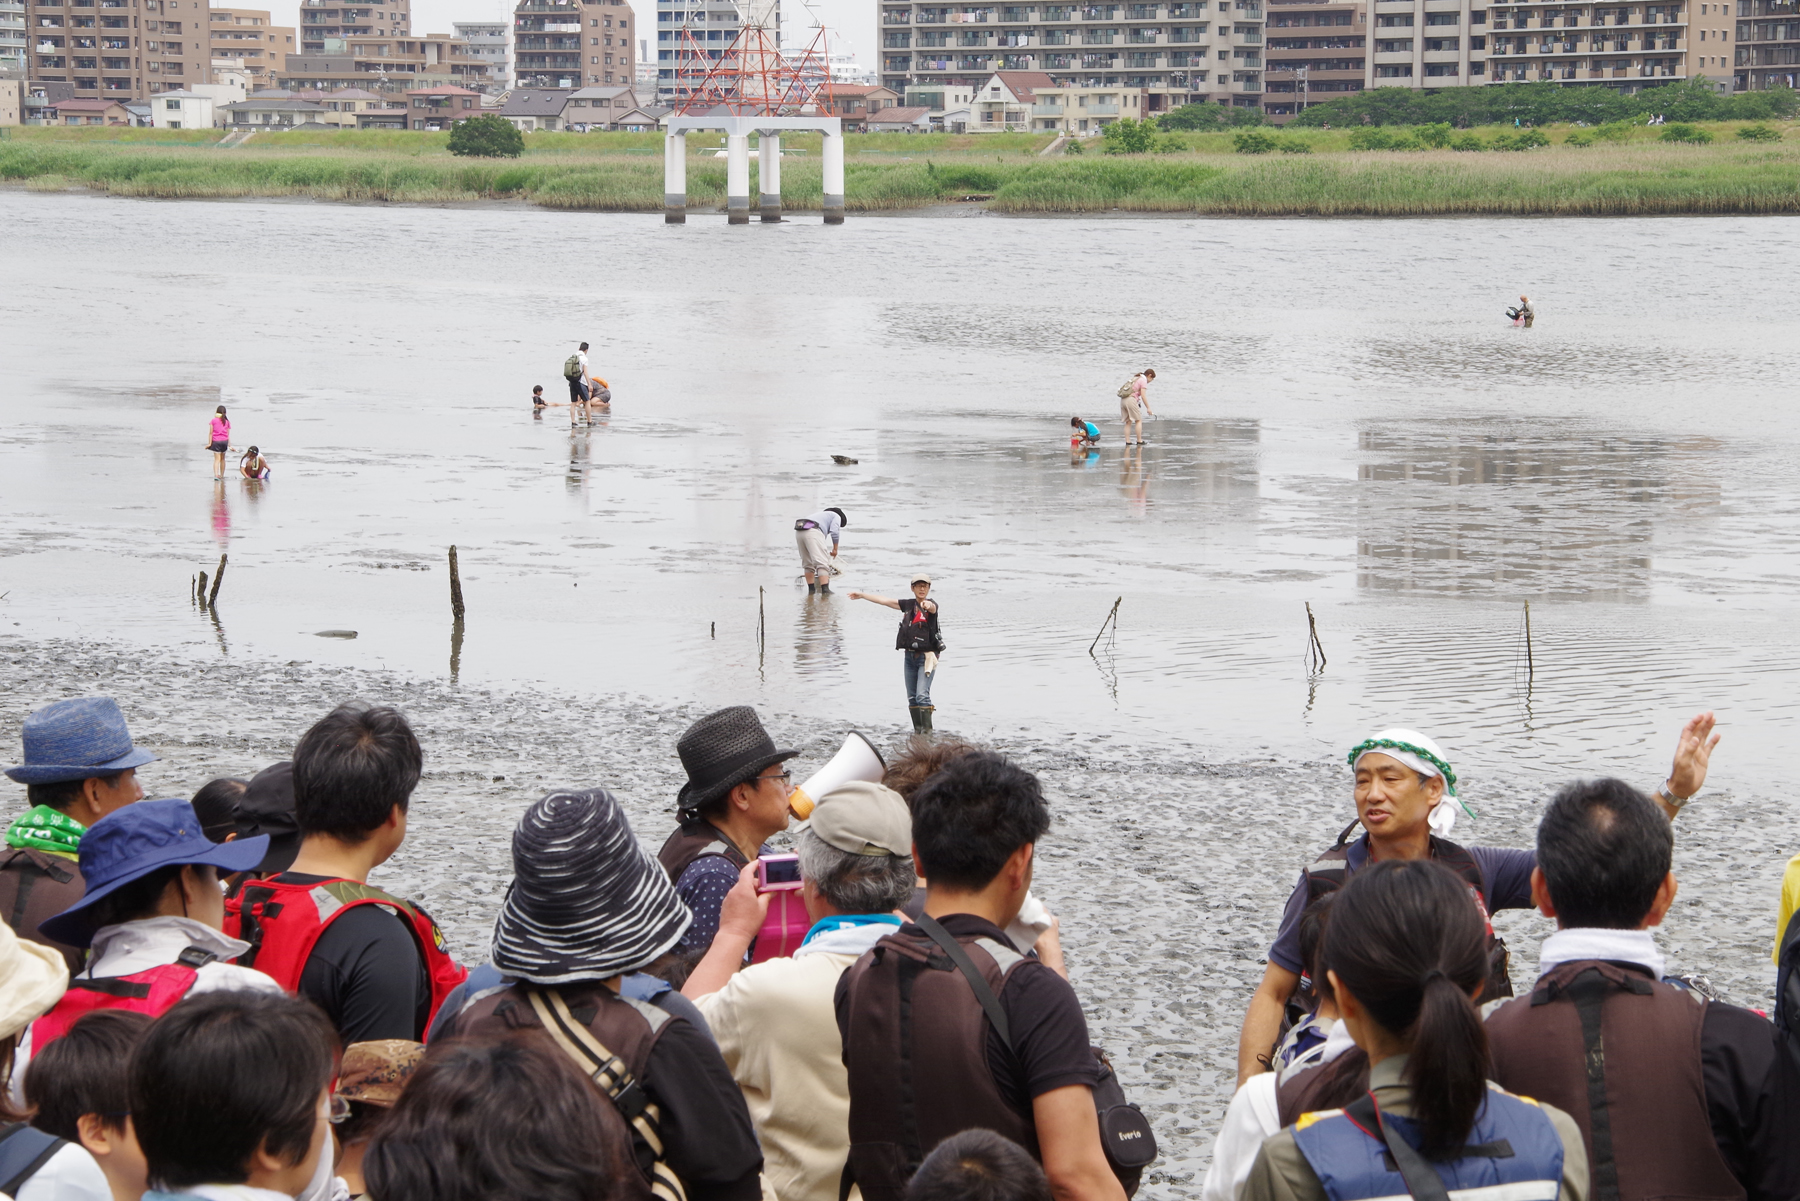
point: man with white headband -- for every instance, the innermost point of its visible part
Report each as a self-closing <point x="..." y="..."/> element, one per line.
<point x="1406" y="803"/>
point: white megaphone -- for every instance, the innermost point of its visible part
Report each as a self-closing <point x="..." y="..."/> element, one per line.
<point x="857" y="759"/>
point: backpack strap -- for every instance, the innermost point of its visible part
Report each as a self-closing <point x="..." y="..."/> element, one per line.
<point x="990" y="1004"/>
<point x="615" y="1080"/>
<point x="1422" y="1180"/>
<point x="1589" y="991"/>
<point x="23" y="1150"/>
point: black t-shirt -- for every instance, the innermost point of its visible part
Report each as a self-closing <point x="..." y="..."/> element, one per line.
<point x="1050" y="1036"/>
<point x="366" y="973"/>
<point x="1752" y="1087"/>
<point x="711" y="1143"/>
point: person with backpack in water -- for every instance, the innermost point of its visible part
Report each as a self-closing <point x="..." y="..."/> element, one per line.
<point x="1134" y="402"/>
<point x="920" y="639"/>
<point x="219" y="441"/>
<point x="575" y="370"/>
<point x="1407" y="949"/>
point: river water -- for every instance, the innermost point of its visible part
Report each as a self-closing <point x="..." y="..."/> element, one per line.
<point x="1346" y="421"/>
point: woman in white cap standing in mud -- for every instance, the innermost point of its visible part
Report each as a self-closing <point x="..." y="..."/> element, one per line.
<point x="920" y="639"/>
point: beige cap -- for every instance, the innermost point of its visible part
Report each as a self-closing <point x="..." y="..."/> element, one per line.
<point x="33" y="978"/>
<point x="919" y="577"/>
<point x="864" y="819"/>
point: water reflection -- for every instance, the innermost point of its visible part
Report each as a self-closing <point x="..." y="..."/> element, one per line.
<point x="818" y="642"/>
<point x="576" y="478"/>
<point x="221" y="514"/>
<point x="1134" y="484"/>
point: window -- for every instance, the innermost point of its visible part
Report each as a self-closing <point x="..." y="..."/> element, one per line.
<point x="1399" y="71"/>
<point x="1394" y="22"/>
<point x="1439" y="69"/>
<point x="1442" y="18"/>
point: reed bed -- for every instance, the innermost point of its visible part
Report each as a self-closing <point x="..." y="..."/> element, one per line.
<point x="1609" y="179"/>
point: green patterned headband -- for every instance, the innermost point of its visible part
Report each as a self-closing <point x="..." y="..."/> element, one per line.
<point x="1394" y="744"/>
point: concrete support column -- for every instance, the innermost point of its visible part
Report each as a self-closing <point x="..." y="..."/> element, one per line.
<point x="675" y="179"/>
<point x="833" y="163"/>
<point x="768" y="175"/>
<point x="737" y="178"/>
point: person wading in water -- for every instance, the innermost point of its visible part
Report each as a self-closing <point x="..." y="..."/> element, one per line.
<point x="920" y="639"/>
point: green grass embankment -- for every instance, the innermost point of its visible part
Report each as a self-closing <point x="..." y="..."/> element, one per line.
<point x="623" y="172"/>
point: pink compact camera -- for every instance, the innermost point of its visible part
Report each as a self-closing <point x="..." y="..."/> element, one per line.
<point x="786" y="924"/>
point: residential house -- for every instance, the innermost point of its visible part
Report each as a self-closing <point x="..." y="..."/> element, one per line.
<point x="637" y="120"/>
<point x="1085" y="111"/>
<point x="491" y="42"/>
<point x="435" y="110"/>
<point x="856" y="103"/>
<point x="264" y="113"/>
<point x="899" y="119"/>
<point x="83" y="111"/>
<point x="181" y="110"/>
<point x="1004" y="101"/>
<point x="140" y="113"/>
<point x="598" y="108"/>
<point x="1317" y="50"/>
<point x="1197" y="50"/>
<point x="575" y="43"/>
<point x="534" y="109"/>
<point x="38" y="105"/>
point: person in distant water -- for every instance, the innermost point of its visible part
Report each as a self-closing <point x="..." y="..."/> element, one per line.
<point x="220" y="441"/>
<point x="810" y="534"/>
<point x="1086" y="432"/>
<point x="253" y="466"/>
<point x="537" y="397"/>
<point x="1522" y="313"/>
<point x="576" y="372"/>
<point x="920" y="639"/>
<point x="1134" y="402"/>
<point x="599" y="392"/>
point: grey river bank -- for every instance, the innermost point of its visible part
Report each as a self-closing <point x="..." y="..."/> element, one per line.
<point x="1345" y="420"/>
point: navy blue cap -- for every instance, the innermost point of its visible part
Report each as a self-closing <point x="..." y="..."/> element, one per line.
<point x="130" y="843"/>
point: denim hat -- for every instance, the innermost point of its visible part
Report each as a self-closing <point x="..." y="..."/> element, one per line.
<point x="130" y="843"/>
<point x="75" y="740"/>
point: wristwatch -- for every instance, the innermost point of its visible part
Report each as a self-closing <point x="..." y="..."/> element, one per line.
<point x="1675" y="802"/>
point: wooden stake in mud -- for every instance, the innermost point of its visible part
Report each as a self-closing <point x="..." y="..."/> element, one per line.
<point x="1112" y="619"/>
<point x="456" y="605"/>
<point x="200" y="592"/>
<point x="1315" y="654"/>
<point x="761" y="619"/>
<point x="193" y="590"/>
<point x="212" y="598"/>
<point x="715" y="630"/>
<point x="1530" y="670"/>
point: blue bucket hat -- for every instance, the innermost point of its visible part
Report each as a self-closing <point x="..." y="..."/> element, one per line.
<point x="75" y="740"/>
<point x="130" y="843"/>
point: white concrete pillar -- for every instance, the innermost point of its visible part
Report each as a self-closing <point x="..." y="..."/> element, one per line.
<point x="737" y="178"/>
<point x="768" y="175"/>
<point x="675" y="179"/>
<point x="833" y="163"/>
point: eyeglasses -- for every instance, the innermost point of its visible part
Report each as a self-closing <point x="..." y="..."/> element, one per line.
<point x="785" y="777"/>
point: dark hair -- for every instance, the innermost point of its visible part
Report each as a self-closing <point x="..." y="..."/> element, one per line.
<point x="129" y="902"/>
<point x="63" y="793"/>
<point x="1408" y="942"/>
<point x="1150" y="371"/>
<point x="364" y="1120"/>
<point x="920" y="759"/>
<point x="220" y="410"/>
<point x="85" y="1071"/>
<point x="224" y="1074"/>
<point x="253" y="451"/>
<point x="842" y="519"/>
<point x="584" y="346"/>
<point x="1604" y="848"/>
<point x="979" y="1165"/>
<point x="216" y="804"/>
<point x="970" y="816"/>
<point x="1076" y="422"/>
<point x="1311" y="933"/>
<point x="500" y="1117"/>
<point x="537" y="387"/>
<point x="352" y="768"/>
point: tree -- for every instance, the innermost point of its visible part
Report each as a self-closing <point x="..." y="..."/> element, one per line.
<point x="1253" y="141"/>
<point x="487" y="136"/>
<point x="1126" y="136"/>
<point x="1195" y="117"/>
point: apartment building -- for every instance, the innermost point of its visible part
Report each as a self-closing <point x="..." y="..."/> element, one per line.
<point x="1427" y="43"/>
<point x="15" y="53"/>
<point x="382" y="64"/>
<point x="692" y="34"/>
<point x="1194" y="50"/>
<point x="1084" y="111"/>
<point x="491" y="42"/>
<point x="117" y="49"/>
<point x="1316" y="50"/>
<point x="573" y="43"/>
<point x="1767" y="53"/>
<point x="247" y="37"/>
<point x="1623" y="46"/>
<point x="335" y="19"/>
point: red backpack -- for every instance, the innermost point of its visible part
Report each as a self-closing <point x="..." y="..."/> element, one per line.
<point x="153" y="991"/>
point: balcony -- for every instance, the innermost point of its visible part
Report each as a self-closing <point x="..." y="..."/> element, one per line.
<point x="901" y="17"/>
<point x="1047" y="110"/>
<point x="1099" y="110"/>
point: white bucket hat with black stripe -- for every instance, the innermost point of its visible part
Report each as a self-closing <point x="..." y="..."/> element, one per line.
<point x="587" y="902"/>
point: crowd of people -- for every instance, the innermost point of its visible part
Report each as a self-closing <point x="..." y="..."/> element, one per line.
<point x="208" y="998"/>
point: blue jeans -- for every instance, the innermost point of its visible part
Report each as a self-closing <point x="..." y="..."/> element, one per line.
<point x="918" y="684"/>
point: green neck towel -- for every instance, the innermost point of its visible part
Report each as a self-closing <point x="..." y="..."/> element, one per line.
<point x="45" y="829"/>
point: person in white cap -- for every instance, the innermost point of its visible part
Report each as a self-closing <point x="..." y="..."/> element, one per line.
<point x="1406" y="803"/>
<point x="774" y="1021"/>
<point x="920" y="639"/>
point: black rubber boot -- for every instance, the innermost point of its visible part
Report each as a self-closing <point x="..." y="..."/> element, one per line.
<point x="914" y="711"/>
<point x="924" y="719"/>
<point x="824" y="589"/>
<point x="812" y="590"/>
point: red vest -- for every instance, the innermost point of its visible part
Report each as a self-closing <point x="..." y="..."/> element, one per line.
<point x="153" y="992"/>
<point x="283" y="922"/>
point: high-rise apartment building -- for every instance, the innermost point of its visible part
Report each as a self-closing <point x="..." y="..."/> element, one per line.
<point x="1200" y="50"/>
<point x="383" y="64"/>
<point x="1767" y="54"/>
<point x="1316" y="50"/>
<point x="1617" y="45"/>
<point x="15" y="51"/>
<point x="245" y="36"/>
<point x="118" y="49"/>
<point x="491" y="42"/>
<point x="321" y="20"/>
<point x="573" y="43"/>
<point x="693" y="34"/>
<point x="1427" y="43"/>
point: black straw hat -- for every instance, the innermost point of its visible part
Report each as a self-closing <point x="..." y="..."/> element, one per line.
<point x="587" y="902"/>
<point x="721" y="751"/>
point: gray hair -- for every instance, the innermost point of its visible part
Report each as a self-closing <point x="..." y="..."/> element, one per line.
<point x="856" y="883"/>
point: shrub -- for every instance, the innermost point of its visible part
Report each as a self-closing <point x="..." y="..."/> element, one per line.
<point x="1466" y="142"/>
<point x="1680" y="132"/>
<point x="1435" y="135"/>
<point x="1615" y="131"/>
<point x="1073" y="147"/>
<point x="1580" y="137"/>
<point x="1195" y="117"/>
<point x="1126" y="136"/>
<point x="1252" y="141"/>
<point x="1759" y="133"/>
<point x="487" y="136"/>
<point x="1525" y="139"/>
<point x="1293" y="146"/>
<point x="1169" y="145"/>
<point x="1374" y="137"/>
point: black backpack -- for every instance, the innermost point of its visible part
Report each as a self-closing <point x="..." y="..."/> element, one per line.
<point x="23" y="1150"/>
<point x="1787" y="984"/>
